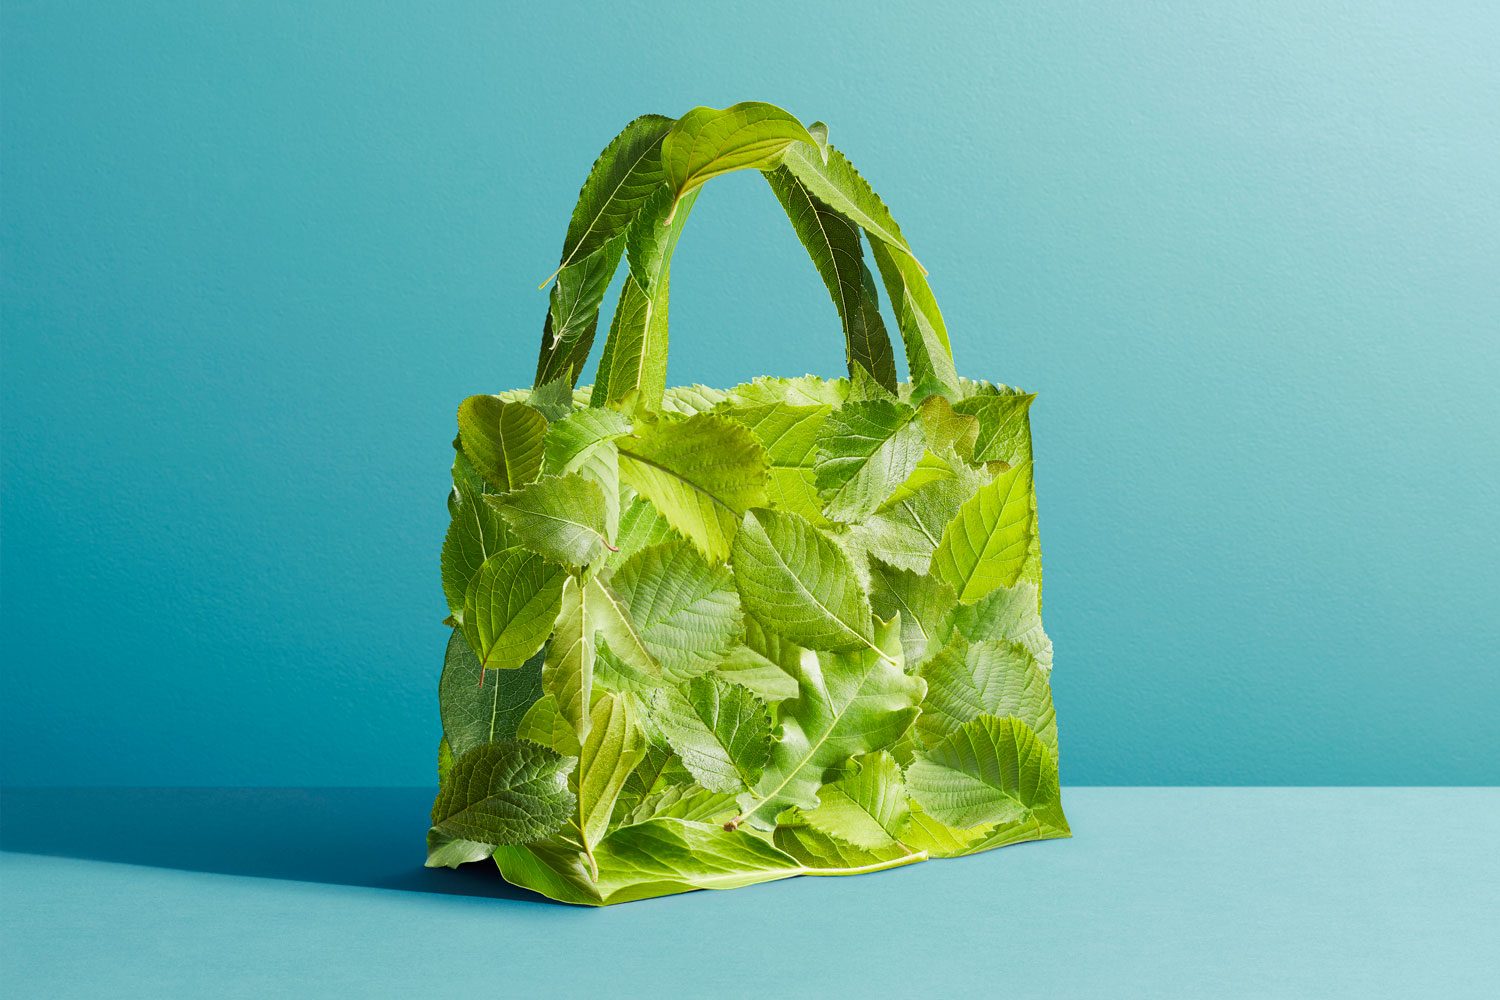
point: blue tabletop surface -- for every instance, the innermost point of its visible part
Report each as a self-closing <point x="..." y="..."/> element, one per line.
<point x="1163" y="892"/>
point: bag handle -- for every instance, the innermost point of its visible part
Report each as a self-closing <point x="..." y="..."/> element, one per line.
<point x="635" y="202"/>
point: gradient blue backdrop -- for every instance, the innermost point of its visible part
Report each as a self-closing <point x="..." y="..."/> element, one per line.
<point x="254" y="254"/>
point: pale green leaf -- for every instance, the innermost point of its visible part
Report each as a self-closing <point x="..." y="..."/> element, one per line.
<point x="721" y="731"/>
<point x="544" y="725"/>
<point x="923" y="833"/>
<point x="507" y="792"/>
<point x="805" y="390"/>
<point x="475" y="533"/>
<point x="702" y="472"/>
<point x="824" y="854"/>
<point x="568" y="671"/>
<point x="707" y="142"/>
<point x="966" y="680"/>
<point x="764" y="663"/>
<point x="866" y="808"/>
<point x="690" y="399"/>
<point x="928" y="353"/>
<point x="846" y="704"/>
<point x="866" y="450"/>
<point x="618" y="634"/>
<point x="989" y="770"/>
<point x="986" y="544"/>
<point x="633" y="368"/>
<point x="447" y="851"/>
<point x="1004" y="433"/>
<point x="799" y="583"/>
<point x="906" y="533"/>
<point x="833" y="243"/>
<point x="560" y="517"/>
<point x="829" y="175"/>
<point x="656" y="858"/>
<point x="510" y="607"/>
<point x="922" y="601"/>
<point x="641" y="525"/>
<point x="688" y="802"/>
<point x="790" y="436"/>
<point x="1007" y="613"/>
<point x="503" y="440"/>
<point x="614" y="746"/>
<point x="478" y="707"/>
<point x="684" y="611"/>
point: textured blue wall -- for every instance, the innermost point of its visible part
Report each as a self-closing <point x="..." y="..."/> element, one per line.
<point x="254" y="254"/>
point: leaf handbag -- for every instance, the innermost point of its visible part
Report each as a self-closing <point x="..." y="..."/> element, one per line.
<point x="705" y="638"/>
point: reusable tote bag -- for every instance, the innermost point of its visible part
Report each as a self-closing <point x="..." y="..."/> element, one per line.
<point x="703" y="638"/>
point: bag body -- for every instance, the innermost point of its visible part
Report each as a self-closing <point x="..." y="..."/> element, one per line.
<point x="705" y="638"/>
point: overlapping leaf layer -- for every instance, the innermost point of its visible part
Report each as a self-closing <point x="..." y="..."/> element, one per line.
<point x="706" y="638"/>
<point x="750" y="674"/>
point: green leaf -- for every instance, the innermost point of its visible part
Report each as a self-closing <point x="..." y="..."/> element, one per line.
<point x="510" y="607"/>
<point x="966" y="680"/>
<point x="584" y="442"/>
<point x="688" y="802"/>
<point x="622" y="178"/>
<point x="806" y="390"/>
<point x="799" y="583"/>
<point x="560" y="517"/>
<point x="986" y="544"/>
<point x="690" y="399"/>
<point x="553" y="400"/>
<point x="447" y="851"/>
<point x="660" y="768"/>
<point x="503" y="440"/>
<point x="829" y="175"/>
<point x="923" y="833"/>
<point x="477" y="708"/>
<point x="544" y="725"/>
<point x="846" y="704"/>
<point x="867" y="808"/>
<point x="833" y="243"/>
<point x="634" y="364"/>
<point x="685" y="612"/>
<point x="568" y="671"/>
<point x="764" y="664"/>
<point x="989" y="770"/>
<point x="906" y="532"/>
<point x="825" y="854"/>
<point x="640" y="525"/>
<point x="707" y="142"/>
<point x="1007" y="613"/>
<point x="572" y="441"/>
<point x="1004" y="426"/>
<point x="922" y="601"/>
<point x="476" y="532"/>
<point x="573" y="305"/>
<point x="928" y="353"/>
<point x="615" y="745"/>
<point x="618" y="633"/>
<point x="702" y="472"/>
<point x="865" y="451"/>
<point x="644" y="860"/>
<point x="507" y="792"/>
<point x="790" y="436"/>
<point x="721" y="731"/>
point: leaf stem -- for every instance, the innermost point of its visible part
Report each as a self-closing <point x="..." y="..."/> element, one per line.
<point x="905" y="859"/>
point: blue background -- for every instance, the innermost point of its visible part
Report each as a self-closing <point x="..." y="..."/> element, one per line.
<point x="254" y="255"/>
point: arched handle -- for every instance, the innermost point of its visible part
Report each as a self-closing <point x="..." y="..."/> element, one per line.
<point x="637" y="199"/>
